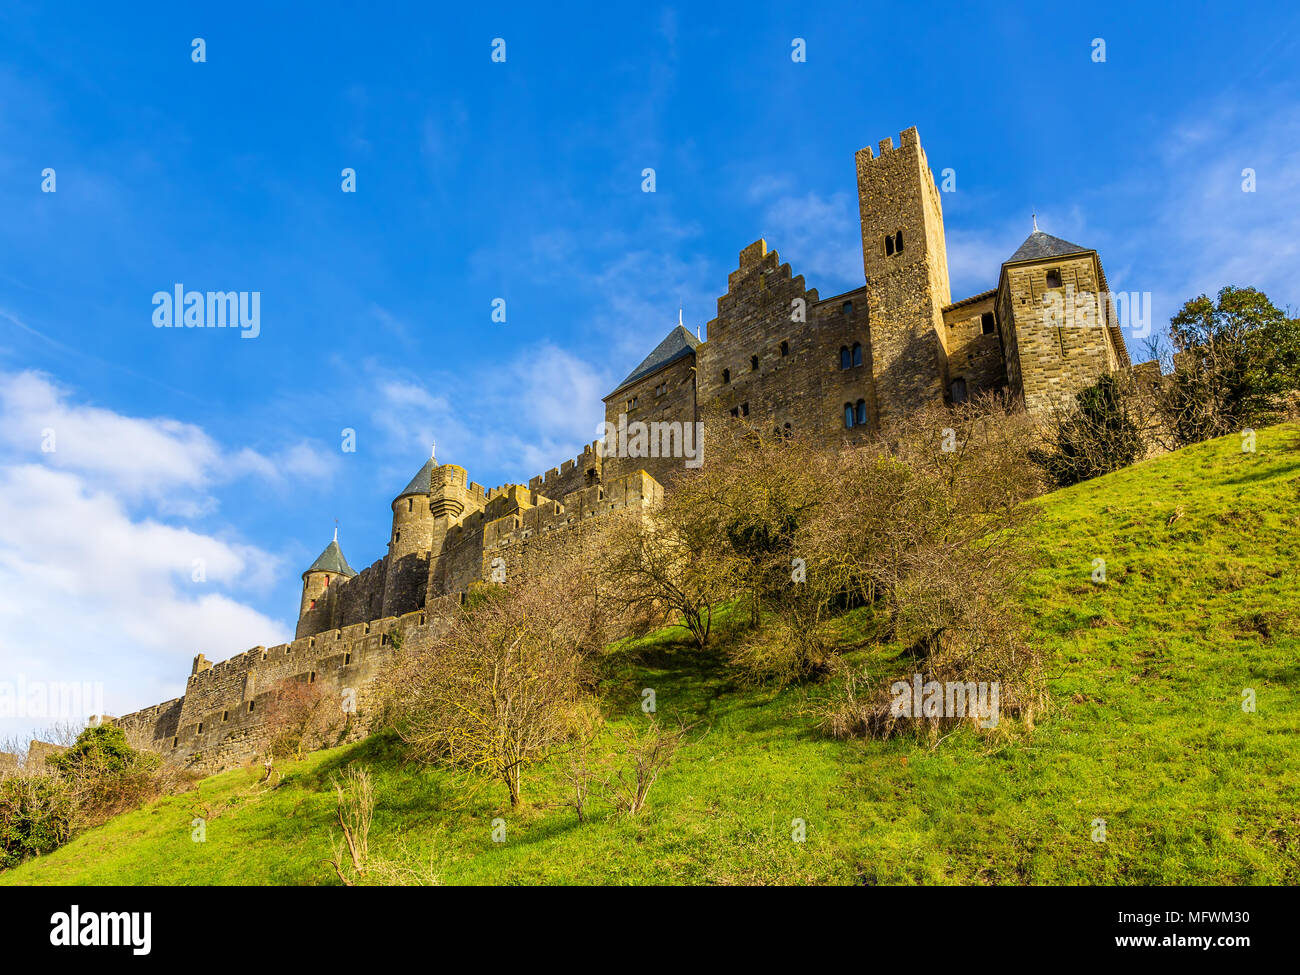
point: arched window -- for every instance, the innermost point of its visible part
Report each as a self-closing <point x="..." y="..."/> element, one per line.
<point x="862" y="413"/>
<point x="327" y="582"/>
<point x="726" y="375"/>
<point x="857" y="353"/>
<point x="848" y="416"/>
<point x="753" y="363"/>
<point x="785" y="349"/>
<point x="844" y="357"/>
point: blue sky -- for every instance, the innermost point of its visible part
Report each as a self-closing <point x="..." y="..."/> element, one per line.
<point x="518" y="180"/>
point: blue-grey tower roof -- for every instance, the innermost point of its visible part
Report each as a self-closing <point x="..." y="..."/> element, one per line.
<point x="332" y="560"/>
<point x="678" y="344"/>
<point x="422" y="483"/>
<point x="1038" y="245"/>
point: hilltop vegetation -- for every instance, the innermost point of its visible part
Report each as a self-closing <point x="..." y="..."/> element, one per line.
<point x="1144" y="729"/>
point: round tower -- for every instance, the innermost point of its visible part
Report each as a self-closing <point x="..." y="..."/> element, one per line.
<point x="330" y="568"/>
<point x="409" y="546"/>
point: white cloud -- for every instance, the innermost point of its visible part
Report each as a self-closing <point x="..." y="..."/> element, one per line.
<point x="96" y="584"/>
<point x="87" y="593"/>
<point x="166" y="462"/>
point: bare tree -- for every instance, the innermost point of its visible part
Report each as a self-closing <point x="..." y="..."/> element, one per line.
<point x="503" y="689"/>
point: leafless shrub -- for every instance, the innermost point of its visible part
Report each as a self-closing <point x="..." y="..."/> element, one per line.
<point x="355" y="812"/>
<point x="301" y="716"/>
<point x="647" y="752"/>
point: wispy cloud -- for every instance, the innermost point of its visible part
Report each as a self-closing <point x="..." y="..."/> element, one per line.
<point x="167" y="462"/>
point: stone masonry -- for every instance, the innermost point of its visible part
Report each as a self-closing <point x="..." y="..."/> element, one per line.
<point x="777" y="357"/>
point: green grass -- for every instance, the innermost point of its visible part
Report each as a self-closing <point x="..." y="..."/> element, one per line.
<point x="1145" y="731"/>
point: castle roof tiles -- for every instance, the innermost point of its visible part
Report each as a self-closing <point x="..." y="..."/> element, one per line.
<point x="1038" y="245"/>
<point x="332" y="560"/>
<point x="422" y="483"/>
<point x="678" y="343"/>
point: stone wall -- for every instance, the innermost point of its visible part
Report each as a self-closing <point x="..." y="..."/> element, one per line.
<point x="664" y="396"/>
<point x="222" y="719"/>
<point x="772" y="358"/>
<point x="974" y="356"/>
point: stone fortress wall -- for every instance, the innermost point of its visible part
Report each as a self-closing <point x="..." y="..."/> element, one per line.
<point x="777" y="357"/>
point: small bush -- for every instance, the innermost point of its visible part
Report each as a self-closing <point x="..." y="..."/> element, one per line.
<point x="36" y="816"/>
<point x="1102" y="434"/>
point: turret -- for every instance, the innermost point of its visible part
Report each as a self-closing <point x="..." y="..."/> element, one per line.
<point x="329" y="569"/>
<point x="410" y="543"/>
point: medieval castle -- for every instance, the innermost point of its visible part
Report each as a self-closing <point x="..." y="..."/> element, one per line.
<point x="777" y="354"/>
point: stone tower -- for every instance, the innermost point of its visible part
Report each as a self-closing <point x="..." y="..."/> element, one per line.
<point x="410" y="544"/>
<point x="1060" y="327"/>
<point x="906" y="264"/>
<point x="330" y="567"/>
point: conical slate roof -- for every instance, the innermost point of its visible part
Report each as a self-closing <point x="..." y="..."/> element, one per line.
<point x="1039" y="244"/>
<point x="332" y="560"/>
<point x="677" y="344"/>
<point x="423" y="480"/>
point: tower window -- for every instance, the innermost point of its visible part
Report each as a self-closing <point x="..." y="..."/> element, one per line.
<point x="1054" y="278"/>
<point x="410" y="504"/>
<point x="848" y="416"/>
<point x="861" y="410"/>
<point x="959" y="390"/>
<point x="327" y="582"/>
<point x="986" y="323"/>
<point x="898" y="242"/>
<point x="893" y="244"/>
<point x="845" y="361"/>
<point x="857" y="353"/>
<point x="744" y="409"/>
<point x="847" y="308"/>
<point x="753" y="363"/>
<point x="785" y="349"/>
<point x="735" y="411"/>
<point x="313" y="604"/>
<point x="726" y="375"/>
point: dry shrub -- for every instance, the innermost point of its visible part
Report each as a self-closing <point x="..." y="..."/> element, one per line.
<point x="300" y="717"/>
<point x="355" y="811"/>
<point x="647" y="752"/>
<point x="506" y="685"/>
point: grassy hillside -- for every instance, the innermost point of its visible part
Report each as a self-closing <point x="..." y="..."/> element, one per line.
<point x="1146" y="731"/>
